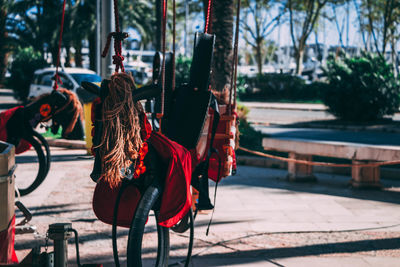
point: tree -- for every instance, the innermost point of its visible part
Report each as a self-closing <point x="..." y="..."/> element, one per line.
<point x="258" y="24"/>
<point x="4" y="40"/>
<point x="303" y="16"/>
<point x="378" y="21"/>
<point x="36" y="24"/>
<point x="222" y="27"/>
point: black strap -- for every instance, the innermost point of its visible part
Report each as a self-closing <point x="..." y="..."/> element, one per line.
<point x="217" y="115"/>
<point x="124" y="185"/>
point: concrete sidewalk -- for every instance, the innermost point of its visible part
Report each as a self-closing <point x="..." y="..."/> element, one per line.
<point x="260" y="220"/>
<point x="285" y="106"/>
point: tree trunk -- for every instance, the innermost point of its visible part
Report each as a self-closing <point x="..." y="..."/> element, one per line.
<point x="299" y="59"/>
<point x="54" y="54"/>
<point x="78" y="55"/>
<point x="394" y="56"/>
<point x="158" y="26"/>
<point x="259" y="57"/>
<point x="67" y="63"/>
<point x="92" y="51"/>
<point x="222" y="25"/>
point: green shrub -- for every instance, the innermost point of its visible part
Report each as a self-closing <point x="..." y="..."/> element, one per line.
<point x="26" y="61"/>
<point x="182" y="70"/>
<point x="249" y="137"/>
<point x="276" y="86"/>
<point x="361" y="88"/>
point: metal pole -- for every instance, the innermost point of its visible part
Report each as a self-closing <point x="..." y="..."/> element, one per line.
<point x="107" y="26"/>
<point x="59" y="233"/>
<point x="98" y="36"/>
<point x="186" y="22"/>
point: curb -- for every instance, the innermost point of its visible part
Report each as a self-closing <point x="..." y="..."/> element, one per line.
<point x="352" y="128"/>
<point x="75" y="144"/>
<point x="285" y="106"/>
<point x="253" y="161"/>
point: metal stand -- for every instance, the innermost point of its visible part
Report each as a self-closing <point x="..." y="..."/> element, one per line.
<point x="59" y="233"/>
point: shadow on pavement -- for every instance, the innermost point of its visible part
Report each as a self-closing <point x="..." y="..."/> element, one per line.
<point x="334" y="186"/>
<point x="310" y="250"/>
<point x="54" y="158"/>
<point x="257" y="255"/>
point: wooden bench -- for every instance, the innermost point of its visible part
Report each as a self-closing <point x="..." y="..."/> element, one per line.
<point x="358" y="153"/>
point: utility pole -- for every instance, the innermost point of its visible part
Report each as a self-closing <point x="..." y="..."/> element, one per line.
<point x="98" y="37"/>
<point x="107" y="25"/>
<point x="347" y="23"/>
<point x="186" y="22"/>
<point x="158" y="13"/>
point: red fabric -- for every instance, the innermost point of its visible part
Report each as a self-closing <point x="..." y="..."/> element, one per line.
<point x="104" y="199"/>
<point x="176" y="199"/>
<point x="4" y="117"/>
<point x="7" y="239"/>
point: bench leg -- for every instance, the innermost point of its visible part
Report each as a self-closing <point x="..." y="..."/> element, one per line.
<point x="300" y="172"/>
<point x="365" y="177"/>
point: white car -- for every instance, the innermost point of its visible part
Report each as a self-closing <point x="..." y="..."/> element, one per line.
<point x="71" y="79"/>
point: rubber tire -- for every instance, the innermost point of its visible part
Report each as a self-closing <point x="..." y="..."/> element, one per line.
<point x="43" y="167"/>
<point x="136" y="231"/>
<point x="44" y="143"/>
<point x="184" y="224"/>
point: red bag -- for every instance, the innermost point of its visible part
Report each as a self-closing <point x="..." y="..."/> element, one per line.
<point x="176" y="198"/>
<point x="5" y="116"/>
<point x="223" y="163"/>
<point x="7" y="238"/>
<point x="104" y="199"/>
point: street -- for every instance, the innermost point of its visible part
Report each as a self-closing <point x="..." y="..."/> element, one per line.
<point x="260" y="220"/>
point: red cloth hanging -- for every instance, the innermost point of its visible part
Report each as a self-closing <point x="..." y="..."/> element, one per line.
<point x="7" y="239"/>
<point x="5" y="116"/>
<point x="176" y="199"/>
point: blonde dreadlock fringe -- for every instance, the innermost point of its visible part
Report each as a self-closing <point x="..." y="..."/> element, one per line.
<point x="121" y="138"/>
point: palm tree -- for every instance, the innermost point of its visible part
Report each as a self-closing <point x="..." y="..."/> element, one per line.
<point x="4" y="40"/>
<point x="36" y="24"/>
<point x="222" y="27"/>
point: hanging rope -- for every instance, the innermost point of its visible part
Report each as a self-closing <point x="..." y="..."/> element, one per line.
<point x="56" y="76"/>
<point x="118" y="38"/>
<point x="234" y="62"/>
<point x="207" y="27"/>
<point x="163" y="45"/>
<point x="325" y="164"/>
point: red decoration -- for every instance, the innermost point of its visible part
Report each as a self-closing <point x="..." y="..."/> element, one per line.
<point x="45" y="110"/>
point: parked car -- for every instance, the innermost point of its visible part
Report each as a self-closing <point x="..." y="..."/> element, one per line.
<point x="71" y="79"/>
<point x="140" y="77"/>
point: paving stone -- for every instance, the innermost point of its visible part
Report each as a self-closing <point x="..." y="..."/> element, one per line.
<point x="260" y="220"/>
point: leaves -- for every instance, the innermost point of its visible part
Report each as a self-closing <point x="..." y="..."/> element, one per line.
<point x="361" y="88"/>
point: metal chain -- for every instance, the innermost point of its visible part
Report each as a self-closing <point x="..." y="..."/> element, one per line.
<point x="46" y="244"/>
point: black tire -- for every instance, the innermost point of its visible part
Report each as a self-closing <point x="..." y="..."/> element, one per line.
<point x="44" y="144"/>
<point x="43" y="167"/>
<point x="134" y="252"/>
<point x="186" y="223"/>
